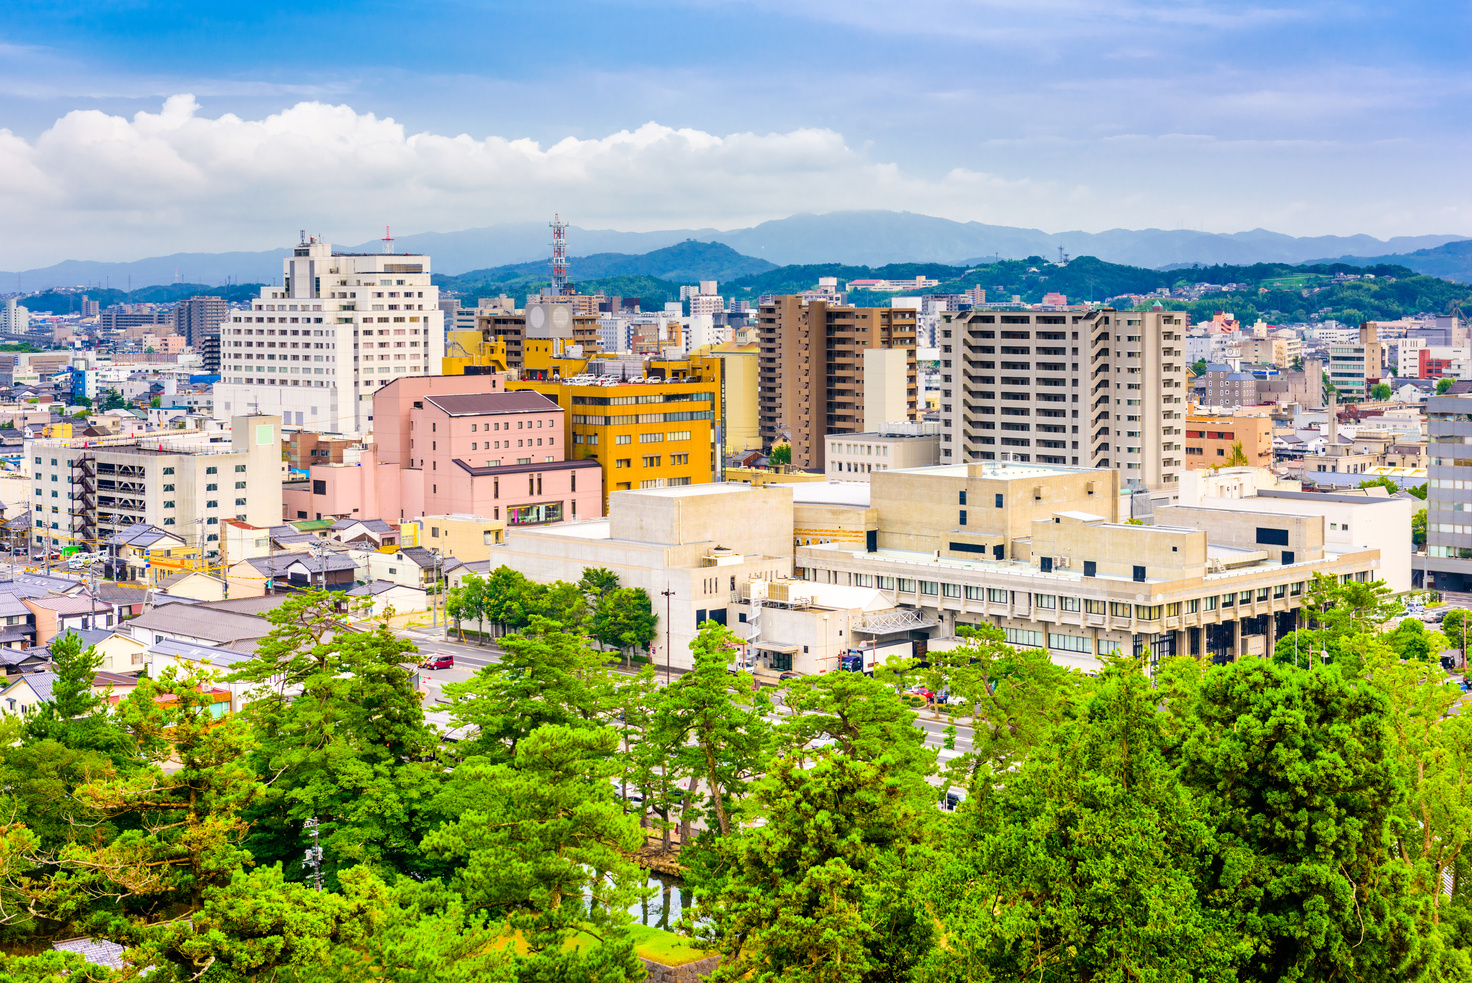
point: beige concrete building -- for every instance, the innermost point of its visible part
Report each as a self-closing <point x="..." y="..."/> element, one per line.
<point x="891" y="447"/>
<point x="1037" y="551"/>
<point x="185" y="483"/>
<point x="1212" y="437"/>
<point x="1272" y="351"/>
<point x="701" y="542"/>
<point x="889" y="375"/>
<point x="813" y="369"/>
<point x="1077" y="387"/>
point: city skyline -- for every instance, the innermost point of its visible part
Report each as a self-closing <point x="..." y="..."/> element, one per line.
<point x="133" y="131"/>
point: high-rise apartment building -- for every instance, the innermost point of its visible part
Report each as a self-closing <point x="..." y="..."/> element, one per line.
<point x="341" y="325"/>
<point x="14" y="319"/>
<point x="198" y="316"/>
<point x="198" y="320"/>
<point x="1355" y="366"/>
<point x="812" y="369"/>
<point x="1080" y="387"/>
<point x="1449" y="489"/>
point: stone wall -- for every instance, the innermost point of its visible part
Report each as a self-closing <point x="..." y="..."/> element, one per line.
<point x="688" y="973"/>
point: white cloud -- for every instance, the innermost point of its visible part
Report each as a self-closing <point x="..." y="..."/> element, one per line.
<point x="102" y="186"/>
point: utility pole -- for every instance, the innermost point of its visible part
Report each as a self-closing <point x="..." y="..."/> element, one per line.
<point x="434" y="604"/>
<point x="314" y="854"/>
<point x="667" y="595"/>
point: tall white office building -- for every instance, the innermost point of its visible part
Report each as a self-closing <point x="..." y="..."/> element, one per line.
<point x="341" y="325"/>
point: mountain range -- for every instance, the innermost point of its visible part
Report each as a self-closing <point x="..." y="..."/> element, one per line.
<point x="871" y="238"/>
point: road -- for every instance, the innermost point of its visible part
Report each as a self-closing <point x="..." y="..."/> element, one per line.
<point x="469" y="658"/>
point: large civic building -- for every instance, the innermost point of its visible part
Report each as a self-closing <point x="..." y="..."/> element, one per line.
<point x="1449" y="492"/>
<point x="1093" y="388"/>
<point x="317" y="347"/>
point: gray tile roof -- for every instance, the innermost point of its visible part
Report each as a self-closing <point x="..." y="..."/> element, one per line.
<point x="40" y="683"/>
<point x="198" y="621"/>
<point x="98" y="952"/>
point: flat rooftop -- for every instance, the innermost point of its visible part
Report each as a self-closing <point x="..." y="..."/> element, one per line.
<point x="1003" y="470"/>
<point x="850" y="493"/>
<point x="690" y="491"/>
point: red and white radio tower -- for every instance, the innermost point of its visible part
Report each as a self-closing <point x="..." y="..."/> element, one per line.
<point x="387" y="240"/>
<point x="559" y="256"/>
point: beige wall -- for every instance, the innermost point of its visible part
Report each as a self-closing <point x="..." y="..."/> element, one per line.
<point x="468" y="538"/>
<point x="1239" y="529"/>
<point x="742" y="370"/>
<point x="740" y="517"/>
<point x="918" y="510"/>
<point x="886" y="381"/>
<point x="1117" y="548"/>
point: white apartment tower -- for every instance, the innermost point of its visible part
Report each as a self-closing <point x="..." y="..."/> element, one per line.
<point x="1090" y="388"/>
<point x="341" y="325"/>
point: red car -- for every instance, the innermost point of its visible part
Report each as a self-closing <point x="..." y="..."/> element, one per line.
<point x="920" y="691"/>
<point x="438" y="662"/>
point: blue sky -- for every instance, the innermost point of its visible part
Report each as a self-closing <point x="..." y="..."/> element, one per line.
<point x="1306" y="118"/>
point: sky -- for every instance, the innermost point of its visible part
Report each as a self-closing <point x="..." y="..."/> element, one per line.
<point x="132" y="129"/>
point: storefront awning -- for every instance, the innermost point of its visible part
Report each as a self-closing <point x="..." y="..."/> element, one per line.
<point x="776" y="647"/>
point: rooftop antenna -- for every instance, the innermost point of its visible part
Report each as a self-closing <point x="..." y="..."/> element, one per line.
<point x="303" y="234"/>
<point x="388" y="240"/>
<point x="559" y="255"/>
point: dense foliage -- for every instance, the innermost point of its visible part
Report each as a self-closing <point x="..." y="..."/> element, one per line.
<point x="1301" y="817"/>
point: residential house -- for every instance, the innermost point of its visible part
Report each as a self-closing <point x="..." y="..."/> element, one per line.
<point x="196" y="586"/>
<point x="146" y="553"/>
<point x="57" y="615"/>
<point x="365" y="533"/>
<point x="386" y="595"/>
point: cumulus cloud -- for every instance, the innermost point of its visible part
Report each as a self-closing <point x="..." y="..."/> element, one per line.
<point x="96" y="185"/>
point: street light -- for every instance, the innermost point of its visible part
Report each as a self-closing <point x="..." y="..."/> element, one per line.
<point x="667" y="595"/>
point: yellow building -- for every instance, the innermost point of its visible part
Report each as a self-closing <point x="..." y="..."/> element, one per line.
<point x="656" y="432"/>
<point x="467" y="538"/>
<point x="464" y="349"/>
<point x="742" y="369"/>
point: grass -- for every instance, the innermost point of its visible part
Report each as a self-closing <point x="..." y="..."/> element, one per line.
<point x="657" y="945"/>
<point x="654" y="944"/>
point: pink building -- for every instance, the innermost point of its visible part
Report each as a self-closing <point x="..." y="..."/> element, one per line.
<point x="457" y="444"/>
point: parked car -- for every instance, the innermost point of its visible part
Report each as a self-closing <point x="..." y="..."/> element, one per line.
<point x="438" y="662"/>
<point x="952" y="799"/>
<point x="789" y="674"/>
<point x="742" y="665"/>
<point x="920" y="691"/>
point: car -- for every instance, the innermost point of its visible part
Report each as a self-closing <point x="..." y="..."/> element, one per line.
<point x="953" y="798"/>
<point x="920" y="691"/>
<point x="741" y="665"/>
<point x="789" y="674"/>
<point x="438" y="662"/>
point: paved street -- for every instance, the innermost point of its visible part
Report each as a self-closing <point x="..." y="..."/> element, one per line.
<point x="470" y="657"/>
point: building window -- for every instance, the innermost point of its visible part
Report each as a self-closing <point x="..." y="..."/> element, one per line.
<point x="1090" y="568"/>
<point x="999" y="499"/>
<point x="929" y="587"/>
<point x="951" y="590"/>
<point x="907" y="585"/>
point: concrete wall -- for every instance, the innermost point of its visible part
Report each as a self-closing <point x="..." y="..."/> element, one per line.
<point x="1243" y="529"/>
<point x="1368" y="523"/>
<point x="743" y="518"/>
<point x="1117" y="548"/>
<point x="918" y="509"/>
<point x="885" y="385"/>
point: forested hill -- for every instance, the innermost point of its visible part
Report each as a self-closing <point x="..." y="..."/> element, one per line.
<point x="1277" y="292"/>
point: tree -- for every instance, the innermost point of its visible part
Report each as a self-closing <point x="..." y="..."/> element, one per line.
<point x="1087" y="863"/>
<point x="1418" y="528"/>
<point x="596" y="582"/>
<point x="155" y="403"/>
<point x="1380" y="482"/>
<point x="183" y="826"/>
<point x="1198" y="367"/>
<point x="1456" y="624"/>
<point x="510" y="600"/>
<point x="1418" y="490"/>
<point x="113" y="400"/>
<point x="625" y="619"/>
<point x="1443" y="384"/>
<point x="1238" y="457"/>
<point x="1380" y="391"/>
<point x="716" y="722"/>
<point x="75" y="716"/>
<point x="780" y="454"/>
<point x="1297" y="769"/>
<point x="541" y="842"/>
<point x="341" y="736"/>
<point x="546" y="676"/>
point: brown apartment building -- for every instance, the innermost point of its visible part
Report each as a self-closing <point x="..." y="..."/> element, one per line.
<point x="811" y="371"/>
<point x="1211" y="437"/>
